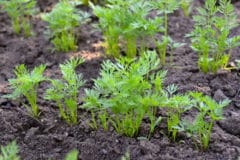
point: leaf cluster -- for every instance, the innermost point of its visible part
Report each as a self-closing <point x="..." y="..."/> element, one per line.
<point x="166" y="6"/>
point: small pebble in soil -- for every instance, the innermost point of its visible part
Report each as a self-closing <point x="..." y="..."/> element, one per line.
<point x="150" y="146"/>
<point x="31" y="133"/>
<point x="219" y="95"/>
<point x="104" y="151"/>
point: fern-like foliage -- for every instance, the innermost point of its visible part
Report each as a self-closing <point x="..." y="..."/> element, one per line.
<point x="126" y="92"/>
<point x="63" y="20"/>
<point x="124" y="23"/>
<point x="20" y="12"/>
<point x="209" y="112"/>
<point x="211" y="35"/>
<point x="65" y="92"/>
<point x="26" y="84"/>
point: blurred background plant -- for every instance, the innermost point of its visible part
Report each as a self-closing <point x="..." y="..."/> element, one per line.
<point x="20" y="12"/>
<point x="63" y="20"/>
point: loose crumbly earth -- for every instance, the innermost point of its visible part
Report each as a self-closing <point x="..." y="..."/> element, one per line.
<point x="50" y="137"/>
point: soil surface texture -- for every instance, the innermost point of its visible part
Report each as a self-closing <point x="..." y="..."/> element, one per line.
<point x="50" y="137"/>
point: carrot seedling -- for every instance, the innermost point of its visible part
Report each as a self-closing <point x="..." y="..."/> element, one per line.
<point x="65" y="92"/>
<point x="26" y="84"/>
<point x="211" y="35"/>
<point x="124" y="24"/>
<point x="126" y="92"/>
<point x="176" y="105"/>
<point x="63" y="20"/>
<point x="20" y="12"/>
<point x="209" y="112"/>
<point x="164" y="8"/>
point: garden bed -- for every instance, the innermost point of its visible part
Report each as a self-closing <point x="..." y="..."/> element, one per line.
<point x="50" y="137"/>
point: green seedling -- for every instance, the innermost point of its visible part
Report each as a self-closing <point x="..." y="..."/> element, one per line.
<point x="9" y="152"/>
<point x="124" y="23"/>
<point x="20" y="12"/>
<point x="65" y="92"/>
<point x="164" y="8"/>
<point x="72" y="155"/>
<point x="112" y="95"/>
<point x="167" y="42"/>
<point x="209" y="112"/>
<point x="176" y="105"/>
<point x="63" y="20"/>
<point x="186" y="6"/>
<point x="210" y="37"/>
<point x="26" y="84"/>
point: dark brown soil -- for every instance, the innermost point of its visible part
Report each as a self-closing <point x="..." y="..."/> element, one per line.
<point x="50" y="137"/>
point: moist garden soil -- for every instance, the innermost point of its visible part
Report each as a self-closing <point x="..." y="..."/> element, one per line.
<point x="50" y="137"/>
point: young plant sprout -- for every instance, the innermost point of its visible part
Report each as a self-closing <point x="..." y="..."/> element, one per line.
<point x="209" y="112"/>
<point x="9" y="152"/>
<point x="26" y="84"/>
<point x="164" y="8"/>
<point x="186" y="6"/>
<point x="176" y="105"/>
<point x="210" y="37"/>
<point x="124" y="23"/>
<point x="63" y="20"/>
<point x="112" y="95"/>
<point x="20" y="12"/>
<point x="65" y="92"/>
<point x="163" y="45"/>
